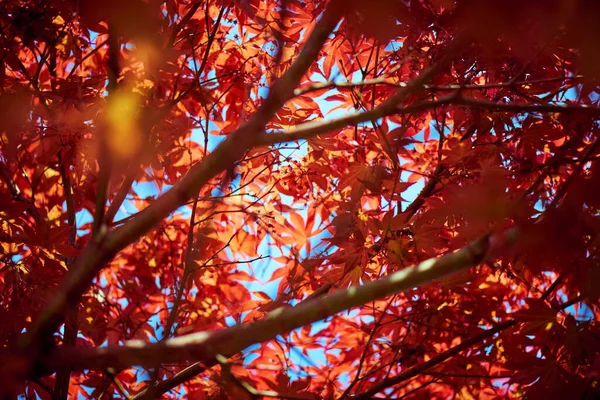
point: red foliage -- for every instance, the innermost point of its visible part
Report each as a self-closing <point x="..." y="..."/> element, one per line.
<point x="303" y="157"/>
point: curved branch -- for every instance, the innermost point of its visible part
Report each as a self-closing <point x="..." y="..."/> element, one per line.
<point x="528" y="108"/>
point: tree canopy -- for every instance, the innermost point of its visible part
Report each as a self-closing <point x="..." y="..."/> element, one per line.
<point x="299" y="199"/>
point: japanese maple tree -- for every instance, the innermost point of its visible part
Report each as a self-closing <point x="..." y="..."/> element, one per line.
<point x="299" y="199"/>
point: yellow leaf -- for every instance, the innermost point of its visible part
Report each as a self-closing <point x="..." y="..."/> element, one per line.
<point x="9" y="248"/>
<point x="49" y="173"/>
<point x="362" y="216"/>
<point x="58" y="20"/>
<point x="54" y="213"/>
<point x="62" y="44"/>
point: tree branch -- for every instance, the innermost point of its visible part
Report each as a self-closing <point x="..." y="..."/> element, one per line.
<point x="312" y="129"/>
<point x="61" y="386"/>
<point x="384" y="80"/>
<point x="197" y="368"/>
<point x="172" y="317"/>
<point x="528" y="108"/>
<point x="176" y="380"/>
<point x="204" y="346"/>
<point x="6" y="177"/>
<point x="104" y="157"/>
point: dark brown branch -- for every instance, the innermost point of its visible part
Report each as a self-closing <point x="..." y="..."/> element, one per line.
<point x="183" y="21"/>
<point x="312" y="129"/>
<point x="386" y="81"/>
<point x="61" y="387"/>
<point x="418" y="369"/>
<point x="176" y="380"/>
<point x="116" y="203"/>
<point x="6" y="177"/>
<point x="529" y="108"/>
<point x="104" y="159"/>
<point x="427" y="191"/>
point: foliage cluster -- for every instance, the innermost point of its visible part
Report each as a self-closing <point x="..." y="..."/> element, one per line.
<point x="420" y="175"/>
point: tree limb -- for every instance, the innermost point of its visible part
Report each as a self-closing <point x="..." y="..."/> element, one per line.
<point x="312" y="129"/>
<point x="387" y="81"/>
<point x="204" y="346"/>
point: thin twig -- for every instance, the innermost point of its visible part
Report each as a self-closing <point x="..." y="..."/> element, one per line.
<point x="389" y="82"/>
<point x="71" y="329"/>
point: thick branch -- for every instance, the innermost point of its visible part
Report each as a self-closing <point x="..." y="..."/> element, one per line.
<point x="311" y="129"/>
<point x="197" y="368"/>
<point x="389" y="107"/>
<point x="204" y="347"/>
